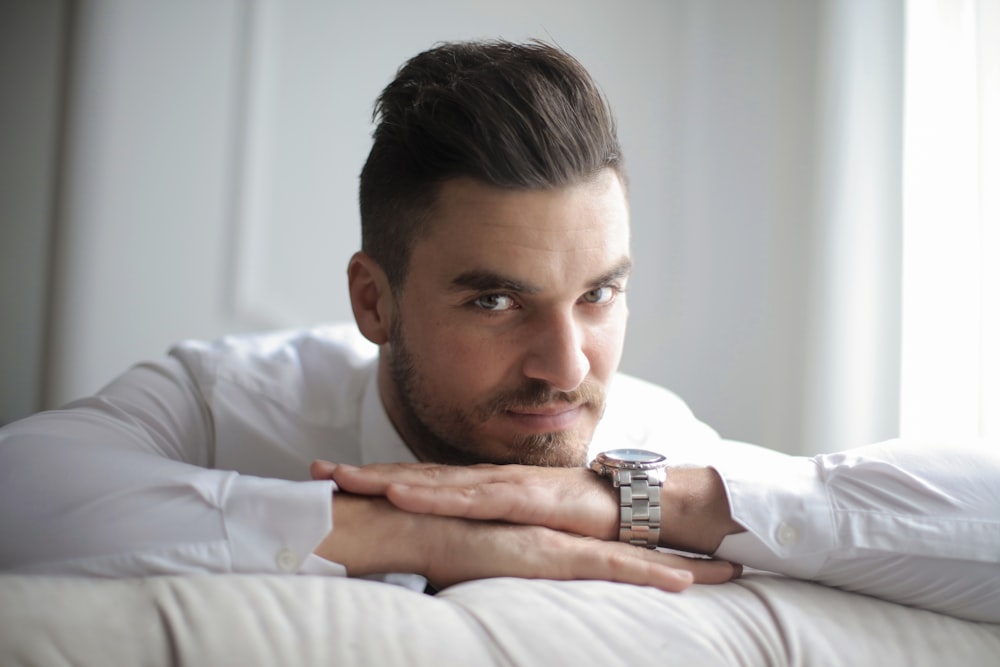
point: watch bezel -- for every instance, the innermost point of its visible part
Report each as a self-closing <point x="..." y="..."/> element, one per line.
<point x="616" y="458"/>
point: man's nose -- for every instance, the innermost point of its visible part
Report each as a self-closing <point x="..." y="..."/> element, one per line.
<point x="556" y="353"/>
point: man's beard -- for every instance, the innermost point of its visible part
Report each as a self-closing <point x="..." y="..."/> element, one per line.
<point x="443" y="434"/>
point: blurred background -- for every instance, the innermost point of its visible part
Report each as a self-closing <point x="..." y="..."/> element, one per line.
<point x="813" y="187"/>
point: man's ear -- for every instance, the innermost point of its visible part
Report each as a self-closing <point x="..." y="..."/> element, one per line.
<point x="371" y="298"/>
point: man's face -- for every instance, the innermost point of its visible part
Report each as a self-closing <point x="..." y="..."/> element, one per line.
<point x="510" y="324"/>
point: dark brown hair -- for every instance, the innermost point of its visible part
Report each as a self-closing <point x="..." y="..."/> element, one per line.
<point x="520" y="116"/>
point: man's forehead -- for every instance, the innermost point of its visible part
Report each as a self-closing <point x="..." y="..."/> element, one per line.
<point x="484" y="237"/>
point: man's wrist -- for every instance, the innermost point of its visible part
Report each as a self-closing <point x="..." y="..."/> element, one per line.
<point x="695" y="508"/>
<point x="370" y="536"/>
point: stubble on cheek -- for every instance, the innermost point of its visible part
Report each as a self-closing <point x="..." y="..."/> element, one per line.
<point x="454" y="434"/>
<point x="561" y="448"/>
<point x="439" y="428"/>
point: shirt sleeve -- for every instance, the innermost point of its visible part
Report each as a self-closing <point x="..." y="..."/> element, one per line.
<point x="913" y="523"/>
<point x="120" y="484"/>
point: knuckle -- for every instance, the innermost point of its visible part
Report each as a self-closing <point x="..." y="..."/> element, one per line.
<point x="617" y="559"/>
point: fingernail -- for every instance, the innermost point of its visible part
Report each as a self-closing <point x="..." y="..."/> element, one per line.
<point x="346" y="466"/>
<point x="737" y="570"/>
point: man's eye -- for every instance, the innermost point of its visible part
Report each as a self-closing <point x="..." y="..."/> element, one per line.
<point x="494" y="302"/>
<point x="600" y="295"/>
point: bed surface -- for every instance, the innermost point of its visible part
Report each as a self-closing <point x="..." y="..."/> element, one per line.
<point x="760" y="619"/>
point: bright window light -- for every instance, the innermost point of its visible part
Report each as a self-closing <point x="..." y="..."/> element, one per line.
<point x="951" y="252"/>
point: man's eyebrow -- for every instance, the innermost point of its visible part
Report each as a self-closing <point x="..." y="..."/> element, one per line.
<point x="621" y="270"/>
<point x="489" y="281"/>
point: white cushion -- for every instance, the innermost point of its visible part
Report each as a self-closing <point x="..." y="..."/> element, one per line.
<point x="299" y="620"/>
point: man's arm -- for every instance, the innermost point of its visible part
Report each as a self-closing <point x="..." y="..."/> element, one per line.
<point x="918" y="525"/>
<point x="906" y="521"/>
<point x="570" y="500"/>
<point x="371" y="536"/>
<point x="119" y="484"/>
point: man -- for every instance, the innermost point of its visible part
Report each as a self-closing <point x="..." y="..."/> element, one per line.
<point x="492" y="278"/>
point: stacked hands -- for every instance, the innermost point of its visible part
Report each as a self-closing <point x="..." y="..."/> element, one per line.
<point x="457" y="523"/>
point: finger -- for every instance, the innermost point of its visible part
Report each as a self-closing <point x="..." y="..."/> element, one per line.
<point x="496" y="500"/>
<point x="571" y="501"/>
<point x="531" y="552"/>
<point x="429" y="474"/>
<point x="705" y="570"/>
<point x="586" y="558"/>
<point x="669" y="572"/>
<point x="628" y="567"/>
<point x="357" y="480"/>
<point x="320" y="469"/>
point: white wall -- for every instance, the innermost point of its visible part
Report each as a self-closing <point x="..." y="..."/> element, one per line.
<point x="211" y="152"/>
<point x="31" y="51"/>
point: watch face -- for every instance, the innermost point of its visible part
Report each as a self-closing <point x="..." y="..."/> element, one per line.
<point x="631" y="457"/>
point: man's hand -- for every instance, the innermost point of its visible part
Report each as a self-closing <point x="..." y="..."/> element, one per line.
<point x="371" y="536"/>
<point x="573" y="500"/>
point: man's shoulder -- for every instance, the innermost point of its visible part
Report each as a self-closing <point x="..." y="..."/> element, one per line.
<point x="329" y="343"/>
<point x="307" y="369"/>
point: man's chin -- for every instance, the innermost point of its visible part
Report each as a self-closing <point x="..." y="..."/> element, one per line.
<point x="560" y="459"/>
<point x="548" y="449"/>
<point x="556" y="449"/>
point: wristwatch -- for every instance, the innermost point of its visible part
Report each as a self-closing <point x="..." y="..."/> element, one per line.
<point x="638" y="475"/>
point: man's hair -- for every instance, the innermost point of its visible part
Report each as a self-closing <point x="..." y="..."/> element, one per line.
<point x="518" y="116"/>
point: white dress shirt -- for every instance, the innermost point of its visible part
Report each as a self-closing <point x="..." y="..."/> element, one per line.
<point x="199" y="463"/>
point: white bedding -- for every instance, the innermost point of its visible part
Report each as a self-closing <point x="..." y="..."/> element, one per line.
<point x="760" y="619"/>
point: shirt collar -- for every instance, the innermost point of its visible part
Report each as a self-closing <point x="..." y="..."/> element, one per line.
<point x="380" y="443"/>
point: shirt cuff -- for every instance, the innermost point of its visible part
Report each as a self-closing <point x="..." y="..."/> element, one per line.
<point x="784" y="506"/>
<point x="313" y="564"/>
<point x="272" y="525"/>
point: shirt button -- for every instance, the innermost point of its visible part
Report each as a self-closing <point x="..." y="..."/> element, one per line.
<point x="787" y="535"/>
<point x="286" y="560"/>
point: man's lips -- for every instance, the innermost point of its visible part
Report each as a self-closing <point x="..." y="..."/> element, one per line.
<point x="545" y="419"/>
